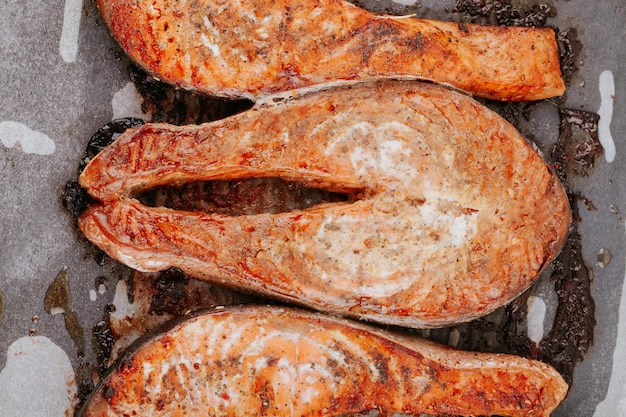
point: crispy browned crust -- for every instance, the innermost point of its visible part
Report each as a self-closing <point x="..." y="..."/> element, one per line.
<point x="256" y="361"/>
<point x="251" y="48"/>
<point x="458" y="213"/>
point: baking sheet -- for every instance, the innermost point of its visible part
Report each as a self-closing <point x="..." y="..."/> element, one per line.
<point x="62" y="77"/>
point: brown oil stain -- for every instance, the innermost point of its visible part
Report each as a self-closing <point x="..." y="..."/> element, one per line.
<point x="58" y="300"/>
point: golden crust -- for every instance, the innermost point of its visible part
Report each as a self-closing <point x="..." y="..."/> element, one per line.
<point x="255" y="361"/>
<point x="244" y="48"/>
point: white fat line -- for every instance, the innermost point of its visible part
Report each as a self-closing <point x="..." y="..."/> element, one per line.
<point x="257" y="346"/>
<point x="606" y="85"/>
<point x="68" y="44"/>
<point x="211" y="40"/>
<point x="232" y="338"/>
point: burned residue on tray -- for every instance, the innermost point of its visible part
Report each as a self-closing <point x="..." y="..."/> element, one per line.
<point x="103" y="340"/>
<point x="578" y="145"/>
<point x="504" y="13"/>
<point x="172" y="293"/>
<point x="105" y="136"/>
<point x="569" y="49"/>
<point x="574" y="153"/>
<point x="84" y="382"/>
<point x="178" y="106"/>
<point x="169" y="293"/>
<point x="74" y="198"/>
<point x="58" y="300"/>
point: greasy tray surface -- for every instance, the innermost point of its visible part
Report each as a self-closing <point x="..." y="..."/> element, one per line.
<point x="63" y="77"/>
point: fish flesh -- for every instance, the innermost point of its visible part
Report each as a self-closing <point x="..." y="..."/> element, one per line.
<point x="251" y="48"/>
<point x="454" y="213"/>
<point x="255" y="361"/>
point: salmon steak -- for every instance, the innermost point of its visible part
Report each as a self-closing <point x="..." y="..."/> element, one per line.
<point x="256" y="361"/>
<point x="452" y="213"/>
<point x="251" y="48"/>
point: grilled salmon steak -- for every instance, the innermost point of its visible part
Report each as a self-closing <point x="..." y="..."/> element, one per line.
<point x="249" y="48"/>
<point x="454" y="215"/>
<point x="256" y="361"/>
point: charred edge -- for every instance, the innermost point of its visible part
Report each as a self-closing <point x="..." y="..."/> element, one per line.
<point x="106" y="135"/>
<point x="74" y="198"/>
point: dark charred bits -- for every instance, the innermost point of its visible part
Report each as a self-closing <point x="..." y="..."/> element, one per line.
<point x="241" y="197"/>
<point x="108" y="392"/>
<point x="74" y="199"/>
<point x="84" y="383"/>
<point x="177" y="106"/>
<point x="502" y="12"/>
<point x="168" y="293"/>
<point x="578" y="145"/>
<point x="103" y="340"/>
<point x="569" y="50"/>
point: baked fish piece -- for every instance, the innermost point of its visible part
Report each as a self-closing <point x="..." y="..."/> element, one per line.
<point x="254" y="361"/>
<point x="246" y="48"/>
<point x="454" y="213"/>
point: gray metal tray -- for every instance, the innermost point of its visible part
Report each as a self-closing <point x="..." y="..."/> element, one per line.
<point x="62" y="77"/>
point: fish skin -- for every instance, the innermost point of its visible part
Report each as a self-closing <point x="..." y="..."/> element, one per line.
<point x="457" y="214"/>
<point x="245" y="48"/>
<point x="254" y="360"/>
